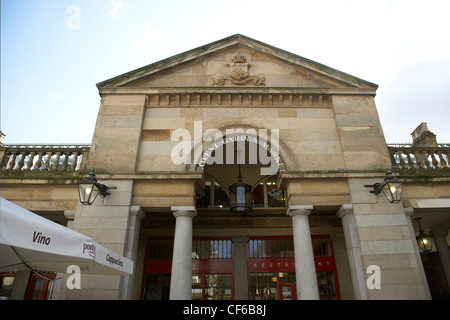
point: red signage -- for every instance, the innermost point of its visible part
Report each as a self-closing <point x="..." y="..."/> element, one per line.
<point x="271" y="265"/>
<point x="288" y="264"/>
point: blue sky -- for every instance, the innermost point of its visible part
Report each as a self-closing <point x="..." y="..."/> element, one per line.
<point x="53" y="52"/>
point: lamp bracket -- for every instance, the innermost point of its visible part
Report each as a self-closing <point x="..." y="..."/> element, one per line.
<point x="376" y="187"/>
<point x="104" y="190"/>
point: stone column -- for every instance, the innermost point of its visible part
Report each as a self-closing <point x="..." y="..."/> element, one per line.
<point x="131" y="247"/>
<point x="345" y="212"/>
<point x="305" y="270"/>
<point x="70" y="215"/>
<point x="181" y="279"/>
<point x="20" y="285"/>
<point x="240" y="259"/>
<point x="439" y="237"/>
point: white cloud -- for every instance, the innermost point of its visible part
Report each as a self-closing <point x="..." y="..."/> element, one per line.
<point x="57" y="98"/>
<point x="115" y="8"/>
<point x="152" y="39"/>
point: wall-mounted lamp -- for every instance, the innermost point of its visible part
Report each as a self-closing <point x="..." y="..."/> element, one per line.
<point x="391" y="187"/>
<point x="424" y="240"/>
<point x="89" y="189"/>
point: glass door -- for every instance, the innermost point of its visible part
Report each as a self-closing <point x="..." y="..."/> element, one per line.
<point x="197" y="287"/>
<point x="212" y="287"/>
<point x="263" y="286"/>
<point x="288" y="291"/>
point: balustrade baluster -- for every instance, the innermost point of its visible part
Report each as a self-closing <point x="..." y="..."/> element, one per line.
<point x="47" y="161"/>
<point x="402" y="162"/>
<point x="29" y="163"/>
<point x="434" y="161"/>
<point x="442" y="163"/>
<point x="55" y="164"/>
<point x="11" y="162"/>
<point x="65" y="163"/>
<point x="393" y="154"/>
<point x="4" y="161"/>
<point x="446" y="160"/>
<point x="38" y="163"/>
<point x="82" y="163"/>
<point x="413" y="159"/>
<point x="74" y="163"/>
<point x="410" y="160"/>
<point x="428" y="162"/>
<point x="21" y="161"/>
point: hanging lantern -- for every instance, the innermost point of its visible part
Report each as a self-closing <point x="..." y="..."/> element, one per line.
<point x="424" y="240"/>
<point x="240" y="195"/>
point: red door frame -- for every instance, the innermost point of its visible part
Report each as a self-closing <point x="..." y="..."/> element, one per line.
<point x="293" y="288"/>
<point x="222" y="266"/>
<point x="46" y="285"/>
<point x="199" y="266"/>
<point x="275" y="265"/>
<point x="9" y="275"/>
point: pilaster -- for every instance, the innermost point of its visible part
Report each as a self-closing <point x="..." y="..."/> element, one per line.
<point x="440" y="239"/>
<point x="408" y="213"/>
<point x="131" y="247"/>
<point x="385" y="243"/>
<point x="107" y="221"/>
<point x="345" y="213"/>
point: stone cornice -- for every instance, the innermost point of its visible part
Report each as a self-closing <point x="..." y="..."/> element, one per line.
<point x="237" y="90"/>
<point x="211" y="97"/>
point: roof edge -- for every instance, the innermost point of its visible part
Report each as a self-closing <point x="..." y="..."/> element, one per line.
<point x="192" y="54"/>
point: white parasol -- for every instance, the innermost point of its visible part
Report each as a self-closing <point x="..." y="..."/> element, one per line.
<point x="28" y="241"/>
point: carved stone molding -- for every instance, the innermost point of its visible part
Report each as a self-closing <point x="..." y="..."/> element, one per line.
<point x="228" y="99"/>
<point x="238" y="74"/>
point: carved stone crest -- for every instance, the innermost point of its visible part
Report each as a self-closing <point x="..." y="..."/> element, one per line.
<point x="238" y="73"/>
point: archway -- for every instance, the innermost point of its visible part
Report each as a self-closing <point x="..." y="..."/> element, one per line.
<point x="256" y="156"/>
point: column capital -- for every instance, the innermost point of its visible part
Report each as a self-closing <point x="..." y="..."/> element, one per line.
<point x="184" y="211"/>
<point x="408" y="211"/>
<point x="344" y="209"/>
<point x="138" y="212"/>
<point x="294" y="210"/>
<point x="70" y="214"/>
<point x="439" y="233"/>
<point x="240" y="239"/>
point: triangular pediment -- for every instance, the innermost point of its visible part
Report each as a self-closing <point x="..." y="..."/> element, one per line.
<point x="236" y="61"/>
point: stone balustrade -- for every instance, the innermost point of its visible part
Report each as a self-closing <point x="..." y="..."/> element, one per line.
<point x="404" y="156"/>
<point x="44" y="157"/>
<point x="72" y="157"/>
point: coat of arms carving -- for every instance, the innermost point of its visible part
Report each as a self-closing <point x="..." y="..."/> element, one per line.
<point x="238" y="73"/>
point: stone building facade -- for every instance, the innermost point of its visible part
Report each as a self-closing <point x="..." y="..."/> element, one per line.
<point x="170" y="139"/>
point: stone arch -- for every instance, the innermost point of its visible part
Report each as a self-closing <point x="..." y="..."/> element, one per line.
<point x="198" y="150"/>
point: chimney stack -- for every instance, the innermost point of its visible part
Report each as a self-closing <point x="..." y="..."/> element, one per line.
<point x="422" y="137"/>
